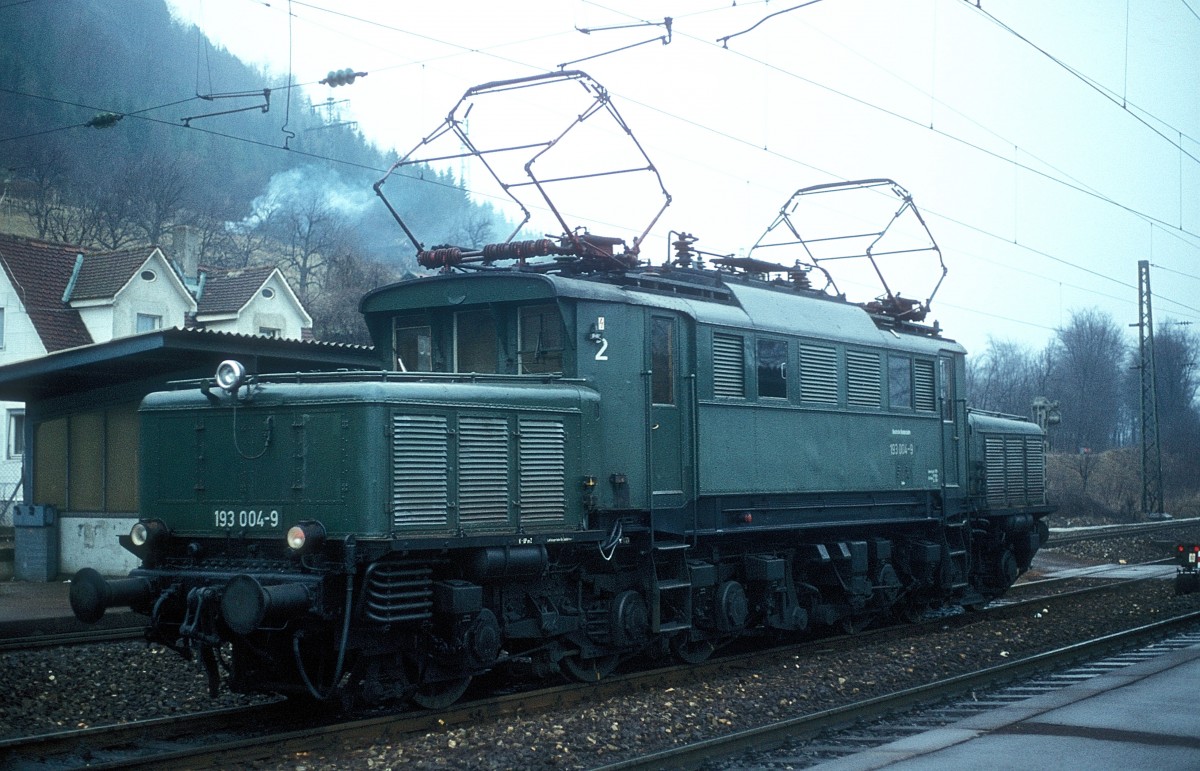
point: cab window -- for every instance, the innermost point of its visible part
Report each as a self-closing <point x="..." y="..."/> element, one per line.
<point x="541" y="334"/>
<point x="772" y="368"/>
<point x="414" y="345"/>
<point x="475" y="342"/>
<point x="662" y="360"/>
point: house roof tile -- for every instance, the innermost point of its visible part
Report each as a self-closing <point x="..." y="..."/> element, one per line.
<point x="104" y="273"/>
<point x="40" y="270"/>
<point x="228" y="291"/>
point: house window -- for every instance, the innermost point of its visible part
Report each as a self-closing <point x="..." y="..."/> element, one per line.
<point x="16" y="433"/>
<point x="268" y="293"/>
<point x="148" y="323"/>
<point x="270" y="332"/>
<point x="1" y="328"/>
<point x="149" y="275"/>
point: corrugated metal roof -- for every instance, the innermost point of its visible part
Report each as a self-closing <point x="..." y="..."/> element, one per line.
<point x="170" y="354"/>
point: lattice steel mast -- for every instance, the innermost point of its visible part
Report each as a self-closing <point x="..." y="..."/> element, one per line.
<point x="1152" y="502"/>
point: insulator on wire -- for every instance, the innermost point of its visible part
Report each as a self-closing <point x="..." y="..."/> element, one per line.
<point x="520" y="250"/>
<point x="343" y="77"/>
<point x="443" y="257"/>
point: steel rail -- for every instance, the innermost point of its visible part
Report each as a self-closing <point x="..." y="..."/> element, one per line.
<point x="1059" y="537"/>
<point x="220" y="737"/>
<point x="807" y="726"/>
<point x="82" y="637"/>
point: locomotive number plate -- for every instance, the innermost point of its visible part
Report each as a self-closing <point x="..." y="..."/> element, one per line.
<point x="246" y="518"/>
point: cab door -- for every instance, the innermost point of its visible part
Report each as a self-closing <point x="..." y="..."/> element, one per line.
<point x="953" y="421"/>
<point x="670" y="399"/>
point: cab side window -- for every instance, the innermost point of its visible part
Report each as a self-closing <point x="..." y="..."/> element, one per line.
<point x="475" y="342"/>
<point x="662" y="360"/>
<point x="413" y="341"/>
<point x="772" y="368"/>
<point x="541" y="339"/>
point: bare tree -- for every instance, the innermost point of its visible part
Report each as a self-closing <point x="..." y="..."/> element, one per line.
<point x="159" y="193"/>
<point x="1006" y="377"/>
<point x="310" y="233"/>
<point x="335" y="309"/>
<point x="41" y="202"/>
<point x="1089" y="354"/>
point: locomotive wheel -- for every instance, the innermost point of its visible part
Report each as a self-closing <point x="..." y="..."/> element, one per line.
<point x="441" y="694"/>
<point x="692" y="651"/>
<point x="588" y="670"/>
<point x="910" y="611"/>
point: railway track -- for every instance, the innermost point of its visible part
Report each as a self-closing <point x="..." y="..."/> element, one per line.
<point x="1062" y="536"/>
<point x="82" y="637"/>
<point x="816" y="725"/>
<point x="229" y="736"/>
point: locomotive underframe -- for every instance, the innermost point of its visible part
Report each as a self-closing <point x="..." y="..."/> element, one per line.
<point x="377" y="621"/>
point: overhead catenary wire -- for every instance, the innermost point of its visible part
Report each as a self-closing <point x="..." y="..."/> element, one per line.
<point x="1167" y="227"/>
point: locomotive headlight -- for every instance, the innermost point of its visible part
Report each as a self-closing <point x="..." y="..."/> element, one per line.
<point x="148" y="531"/>
<point x="230" y="375"/>
<point x="305" y="536"/>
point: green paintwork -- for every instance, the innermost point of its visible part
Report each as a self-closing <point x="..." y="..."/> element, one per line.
<point x="325" y="450"/>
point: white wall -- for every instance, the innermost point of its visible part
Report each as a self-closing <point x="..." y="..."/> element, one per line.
<point x="164" y="296"/>
<point x="21" y="341"/>
<point x="92" y="542"/>
<point x="280" y="311"/>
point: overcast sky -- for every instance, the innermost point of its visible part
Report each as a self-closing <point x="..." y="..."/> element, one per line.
<point x="1046" y="167"/>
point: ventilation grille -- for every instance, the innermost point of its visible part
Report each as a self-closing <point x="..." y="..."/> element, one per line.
<point x="924" y="394"/>
<point x="419" y="466"/>
<point x="541" y="449"/>
<point x="1015" y="470"/>
<point x="482" y="471"/>
<point x="862" y="379"/>
<point x="818" y="374"/>
<point x="1035" y="467"/>
<point x="397" y="593"/>
<point x="729" y="366"/>
<point x="994" y="465"/>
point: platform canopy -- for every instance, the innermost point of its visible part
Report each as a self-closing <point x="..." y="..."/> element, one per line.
<point x="163" y="355"/>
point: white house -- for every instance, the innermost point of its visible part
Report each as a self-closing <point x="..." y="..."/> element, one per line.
<point x="57" y="296"/>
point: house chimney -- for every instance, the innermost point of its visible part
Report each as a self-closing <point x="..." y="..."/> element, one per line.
<point x="185" y="249"/>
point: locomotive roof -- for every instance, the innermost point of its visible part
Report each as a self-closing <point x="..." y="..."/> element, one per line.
<point x="709" y="297"/>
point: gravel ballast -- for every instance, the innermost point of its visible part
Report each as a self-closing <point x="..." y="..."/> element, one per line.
<point x="65" y="688"/>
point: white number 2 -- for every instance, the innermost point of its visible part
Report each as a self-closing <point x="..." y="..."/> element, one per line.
<point x="600" y="354"/>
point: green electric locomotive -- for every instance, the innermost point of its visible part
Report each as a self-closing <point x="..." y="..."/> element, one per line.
<point x="564" y="464"/>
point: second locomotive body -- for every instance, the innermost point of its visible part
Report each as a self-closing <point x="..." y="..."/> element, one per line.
<point x="563" y="467"/>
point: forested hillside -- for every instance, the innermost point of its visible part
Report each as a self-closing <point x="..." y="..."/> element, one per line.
<point x="108" y="138"/>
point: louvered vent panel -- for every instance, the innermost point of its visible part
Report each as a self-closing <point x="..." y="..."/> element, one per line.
<point x="729" y="366"/>
<point x="994" y="468"/>
<point x="419" y="460"/>
<point x="862" y="379"/>
<point x="541" y="450"/>
<point x="1014" y="469"/>
<point x="924" y="394"/>
<point x="1035" y="467"/>
<point x="482" y="471"/>
<point x="818" y="374"/>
